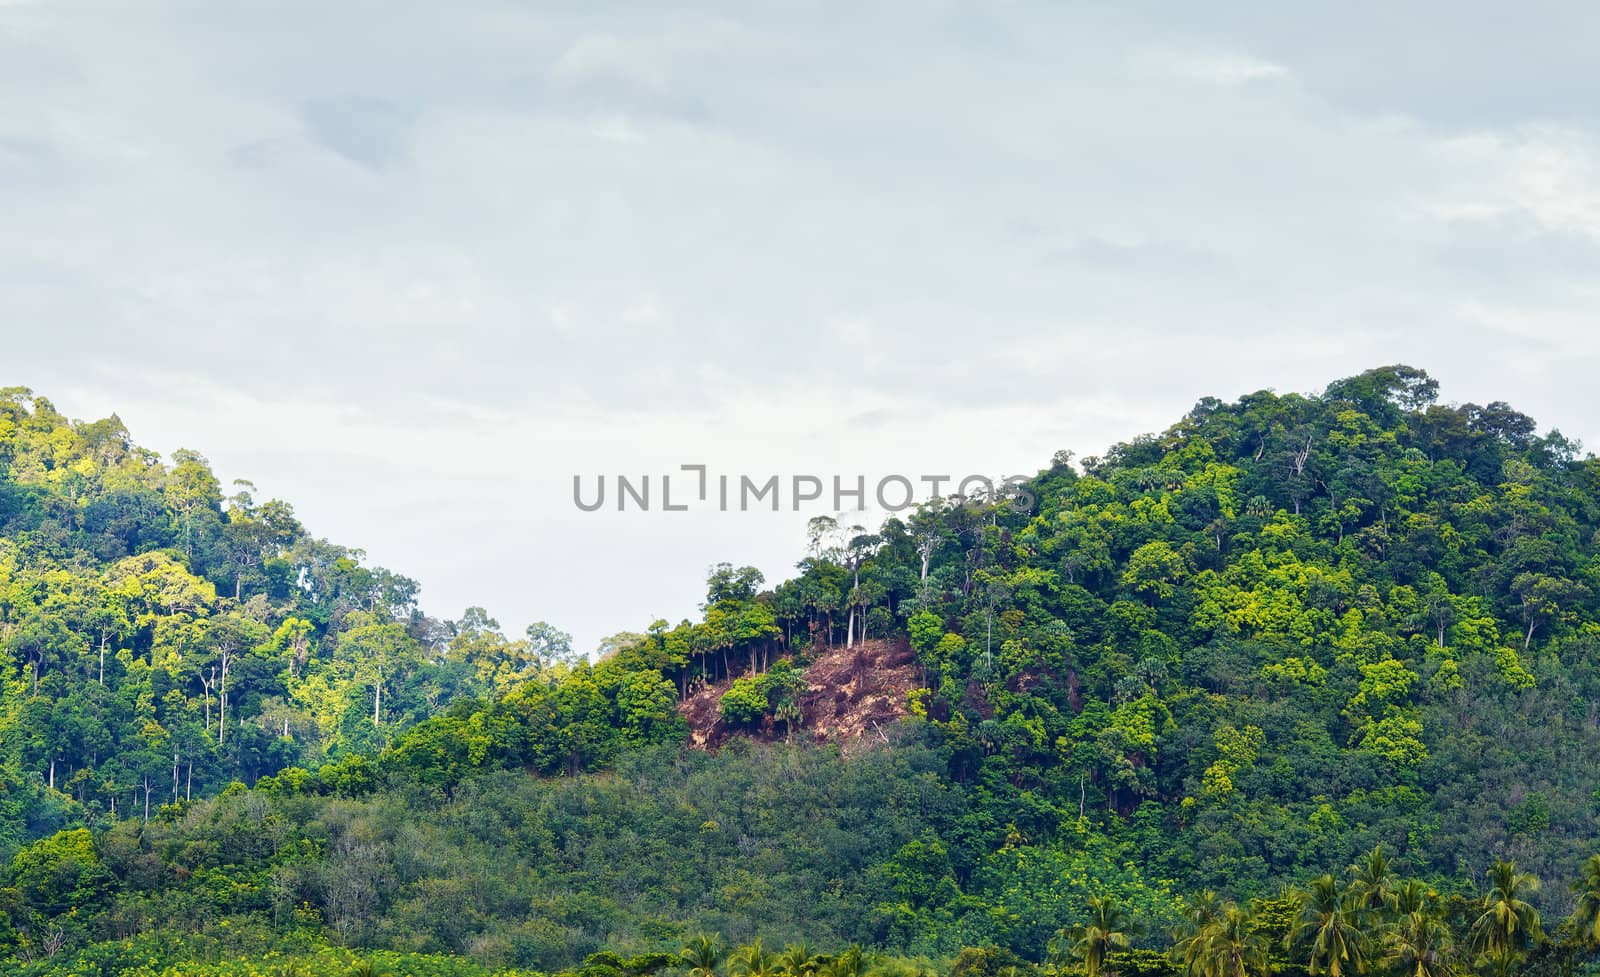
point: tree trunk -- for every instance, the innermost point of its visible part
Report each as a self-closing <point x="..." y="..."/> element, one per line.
<point x="206" y="683"/>
<point x="222" y="696"/>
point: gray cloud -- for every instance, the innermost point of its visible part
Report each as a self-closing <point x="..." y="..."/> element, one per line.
<point x="364" y="129"/>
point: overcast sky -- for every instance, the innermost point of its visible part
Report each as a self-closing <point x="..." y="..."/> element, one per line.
<point x="413" y="267"/>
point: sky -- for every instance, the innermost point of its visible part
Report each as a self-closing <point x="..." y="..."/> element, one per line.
<point x="413" y="267"/>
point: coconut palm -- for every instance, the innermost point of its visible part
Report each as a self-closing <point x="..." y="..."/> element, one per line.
<point x="1586" y="914"/>
<point x="1105" y="930"/>
<point x="849" y="962"/>
<point x="797" y="960"/>
<point x="1419" y="945"/>
<point x="1330" y="927"/>
<point x="1372" y="883"/>
<point x="1228" y="945"/>
<point x="752" y="960"/>
<point x="1190" y="935"/>
<point x="1413" y="896"/>
<point x="1507" y="922"/>
<point x="701" y="955"/>
<point x="1202" y="910"/>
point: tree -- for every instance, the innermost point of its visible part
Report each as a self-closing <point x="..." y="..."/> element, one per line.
<point x="1541" y="599"/>
<point x="549" y="645"/>
<point x="861" y="547"/>
<point x="701" y="956"/>
<point x="743" y="703"/>
<point x="647" y="707"/>
<point x="229" y="635"/>
<point x="798" y="960"/>
<point x="1419" y="945"/>
<point x="1154" y="570"/>
<point x="377" y="650"/>
<point x="1106" y="930"/>
<point x="736" y="585"/>
<point x="1507" y="923"/>
<point x="1329" y="929"/>
<point x="752" y="960"/>
<point x="191" y="489"/>
<point x="1223" y="941"/>
<point x="1586" y="913"/>
<point x="1372" y="884"/>
<point x="928" y="530"/>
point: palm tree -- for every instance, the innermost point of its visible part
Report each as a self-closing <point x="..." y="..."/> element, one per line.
<point x="1226" y="945"/>
<point x="752" y="960"/>
<point x="1412" y="896"/>
<point x="797" y="960"/>
<point x="1419" y="945"/>
<point x="1330" y="924"/>
<point x="1106" y="930"/>
<point x="1202" y="910"/>
<point x="1586" y="914"/>
<point x="1372" y="883"/>
<point x="1508" y="922"/>
<point x="849" y="962"/>
<point x="1190" y="936"/>
<point x="701" y="955"/>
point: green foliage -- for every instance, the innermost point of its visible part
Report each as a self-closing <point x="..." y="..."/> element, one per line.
<point x="744" y="702"/>
<point x="1230" y="655"/>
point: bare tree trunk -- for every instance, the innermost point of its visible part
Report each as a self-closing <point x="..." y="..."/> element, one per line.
<point x="206" y="681"/>
<point x="222" y="695"/>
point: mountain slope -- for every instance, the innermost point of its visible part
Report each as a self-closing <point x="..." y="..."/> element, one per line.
<point x="1232" y="655"/>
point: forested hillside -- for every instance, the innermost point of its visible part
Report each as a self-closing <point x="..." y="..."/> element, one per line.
<point x="167" y="636"/>
<point x="1288" y="635"/>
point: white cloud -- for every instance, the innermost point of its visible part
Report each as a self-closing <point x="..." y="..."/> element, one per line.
<point x="511" y="246"/>
<point x="1211" y="68"/>
<point x="1548" y="174"/>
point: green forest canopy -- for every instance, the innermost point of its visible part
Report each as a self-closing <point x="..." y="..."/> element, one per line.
<point x="1285" y="633"/>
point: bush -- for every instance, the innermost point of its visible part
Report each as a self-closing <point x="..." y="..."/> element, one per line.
<point x="744" y="703"/>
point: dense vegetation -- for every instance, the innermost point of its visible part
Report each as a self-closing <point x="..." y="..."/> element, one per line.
<point x="1287" y="634"/>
